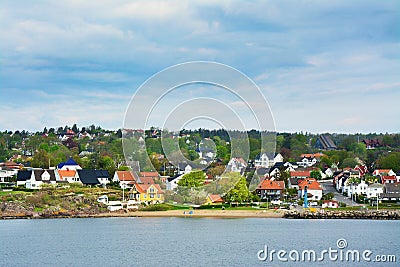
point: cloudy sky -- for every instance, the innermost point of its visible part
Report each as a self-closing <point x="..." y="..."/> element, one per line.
<point x="323" y="66"/>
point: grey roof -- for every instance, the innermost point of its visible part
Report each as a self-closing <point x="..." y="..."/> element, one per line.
<point x="24" y="175"/>
<point x="38" y="175"/>
<point x="294" y="180"/>
<point x="90" y="177"/>
<point x="262" y="171"/>
<point x="392" y="188"/>
<point x="325" y="142"/>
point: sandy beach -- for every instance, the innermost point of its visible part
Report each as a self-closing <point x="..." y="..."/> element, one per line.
<point x="198" y="214"/>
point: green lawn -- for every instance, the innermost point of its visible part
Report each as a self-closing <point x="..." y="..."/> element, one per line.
<point x="6" y="193"/>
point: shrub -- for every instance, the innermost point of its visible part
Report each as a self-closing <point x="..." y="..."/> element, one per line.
<point x="157" y="207"/>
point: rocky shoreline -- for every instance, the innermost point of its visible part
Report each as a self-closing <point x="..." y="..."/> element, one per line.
<point x="329" y="214"/>
<point x="348" y="214"/>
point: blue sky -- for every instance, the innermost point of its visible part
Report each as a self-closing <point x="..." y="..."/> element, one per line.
<point x="323" y="66"/>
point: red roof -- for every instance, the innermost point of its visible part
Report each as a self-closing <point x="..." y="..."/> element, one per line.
<point x="316" y="155"/>
<point x="125" y="176"/>
<point x="150" y="174"/>
<point x="146" y="180"/>
<point x="215" y="198"/>
<point x="66" y="173"/>
<point x="142" y="188"/>
<point x="311" y="184"/>
<point x="385" y="178"/>
<point x="271" y="185"/>
<point x="300" y="174"/>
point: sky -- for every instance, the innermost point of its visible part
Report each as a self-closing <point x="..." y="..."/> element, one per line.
<point x="322" y="66"/>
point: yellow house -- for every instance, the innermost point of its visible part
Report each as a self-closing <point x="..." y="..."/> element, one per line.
<point x="213" y="199"/>
<point x="147" y="193"/>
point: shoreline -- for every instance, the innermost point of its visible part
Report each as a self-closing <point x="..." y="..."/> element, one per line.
<point x="227" y="214"/>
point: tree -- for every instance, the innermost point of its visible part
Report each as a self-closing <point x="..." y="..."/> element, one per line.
<point x="316" y="174"/>
<point x="107" y="163"/>
<point x="216" y="171"/>
<point x="192" y="179"/>
<point x="240" y="193"/>
<point x="349" y="162"/>
<point x="391" y="161"/>
<point x="41" y="159"/>
<point x="75" y="128"/>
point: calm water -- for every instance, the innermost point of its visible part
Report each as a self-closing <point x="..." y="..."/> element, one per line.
<point x="185" y="241"/>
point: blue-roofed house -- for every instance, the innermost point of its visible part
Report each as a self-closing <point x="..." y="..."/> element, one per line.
<point x="69" y="165"/>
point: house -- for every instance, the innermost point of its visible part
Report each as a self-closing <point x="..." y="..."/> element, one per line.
<point x="23" y="176"/>
<point x="373" y="190"/>
<point x="293" y="182"/>
<point x="372" y="143"/>
<point x="6" y="174"/>
<point x="153" y="175"/>
<point x="386" y="172"/>
<point x="85" y="135"/>
<point x="40" y="177"/>
<point x="184" y="168"/>
<point x="362" y="169"/>
<point x="308" y="160"/>
<point x="126" y="179"/>
<point x="325" y="142"/>
<point x="332" y="204"/>
<point x="146" y="193"/>
<point x="70" y="164"/>
<point x="93" y="177"/>
<point x="213" y="199"/>
<point x="70" y="176"/>
<point x="300" y="174"/>
<point x="356" y="189"/>
<point x="270" y="189"/>
<point x="340" y="181"/>
<point x="205" y="152"/>
<point x="314" y="189"/>
<point x="386" y="179"/>
<point x="391" y="192"/>
<point x="237" y="165"/>
<point x="266" y="160"/>
<point x="172" y="183"/>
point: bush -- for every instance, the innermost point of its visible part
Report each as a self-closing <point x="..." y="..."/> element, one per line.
<point x="342" y="204"/>
<point x="157" y="207"/>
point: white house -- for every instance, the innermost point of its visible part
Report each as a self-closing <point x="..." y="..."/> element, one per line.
<point x="374" y="189"/>
<point x="184" y="168"/>
<point x="172" y="183"/>
<point x="265" y="160"/>
<point x="69" y="165"/>
<point x="40" y="177"/>
<point x="384" y="172"/>
<point x="314" y="189"/>
<point x="237" y="165"/>
<point x="70" y="176"/>
<point x="356" y="189"/>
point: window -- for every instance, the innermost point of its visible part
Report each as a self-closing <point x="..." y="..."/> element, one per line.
<point x="151" y="195"/>
<point x="152" y="190"/>
<point x="144" y="196"/>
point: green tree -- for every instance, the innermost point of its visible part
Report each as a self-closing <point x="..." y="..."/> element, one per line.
<point x="349" y="162"/>
<point x="41" y="159"/>
<point x="316" y="174"/>
<point x="192" y="179"/>
<point x="107" y="163"/>
<point x="390" y="161"/>
<point x="240" y="193"/>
